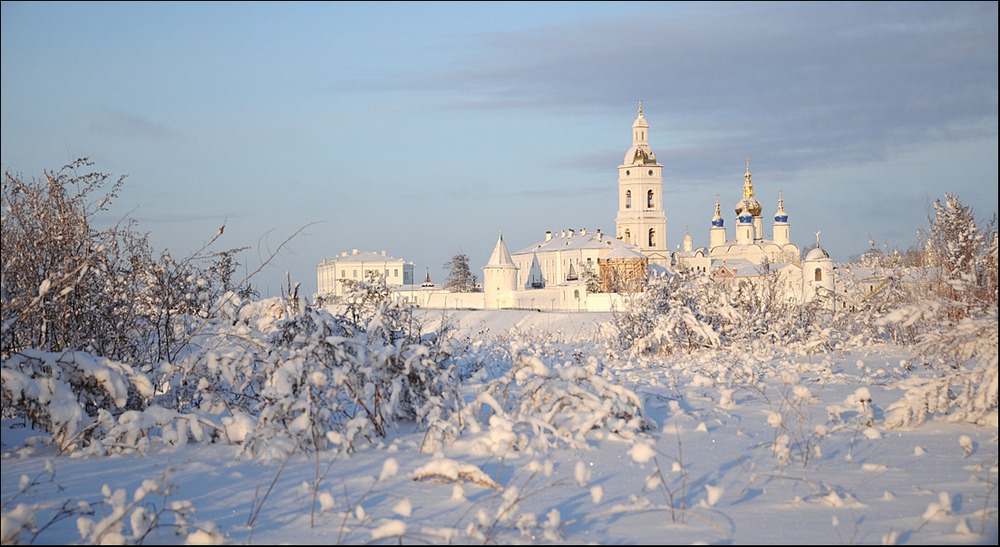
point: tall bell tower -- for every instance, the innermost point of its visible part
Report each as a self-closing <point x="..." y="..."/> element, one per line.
<point x="641" y="220"/>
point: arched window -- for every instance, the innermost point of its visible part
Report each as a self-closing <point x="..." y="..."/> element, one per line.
<point x="649" y="199"/>
<point x="628" y="199"/>
<point x="628" y="236"/>
<point x="576" y="294"/>
<point x="652" y="237"/>
<point x="818" y="276"/>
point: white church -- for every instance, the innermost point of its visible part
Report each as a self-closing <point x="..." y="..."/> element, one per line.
<point x="592" y="271"/>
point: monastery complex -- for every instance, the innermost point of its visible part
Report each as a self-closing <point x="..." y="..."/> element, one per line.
<point x="593" y="271"/>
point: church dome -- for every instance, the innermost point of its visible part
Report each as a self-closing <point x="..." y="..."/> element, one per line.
<point x="717" y="221"/>
<point x="750" y="205"/>
<point x="745" y="217"/>
<point x="817" y="253"/>
<point x="781" y="215"/>
<point x="639" y="155"/>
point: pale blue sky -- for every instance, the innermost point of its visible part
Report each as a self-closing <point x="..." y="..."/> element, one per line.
<point x="426" y="128"/>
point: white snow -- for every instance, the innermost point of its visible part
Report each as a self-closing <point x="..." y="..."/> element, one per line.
<point x="702" y="469"/>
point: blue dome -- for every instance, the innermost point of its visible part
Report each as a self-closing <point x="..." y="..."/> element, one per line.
<point x="781" y="216"/>
<point x="717" y="222"/>
<point x="746" y="217"/>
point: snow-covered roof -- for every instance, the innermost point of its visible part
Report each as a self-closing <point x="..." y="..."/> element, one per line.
<point x="745" y="268"/>
<point x="363" y="256"/>
<point x="818" y="253"/>
<point x="575" y="241"/>
<point x="500" y="257"/>
<point x="625" y="252"/>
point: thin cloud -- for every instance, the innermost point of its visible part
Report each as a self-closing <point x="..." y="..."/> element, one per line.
<point x="813" y="85"/>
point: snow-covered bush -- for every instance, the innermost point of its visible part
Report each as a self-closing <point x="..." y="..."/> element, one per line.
<point x="960" y="378"/>
<point x="69" y="286"/>
<point x="954" y="323"/>
<point x="537" y="405"/>
<point x="119" y="519"/>
<point x="63" y="393"/>
<point x="687" y="311"/>
<point x="330" y="380"/>
<point x="666" y="317"/>
<point x="965" y="255"/>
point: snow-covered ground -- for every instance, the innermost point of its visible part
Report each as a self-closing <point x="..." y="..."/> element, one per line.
<point x="742" y="448"/>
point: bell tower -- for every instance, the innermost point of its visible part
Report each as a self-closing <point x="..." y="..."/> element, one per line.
<point x="641" y="220"/>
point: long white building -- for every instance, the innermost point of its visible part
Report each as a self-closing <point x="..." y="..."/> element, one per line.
<point x="333" y="272"/>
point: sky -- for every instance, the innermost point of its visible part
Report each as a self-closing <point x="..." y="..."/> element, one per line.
<point x="426" y="129"/>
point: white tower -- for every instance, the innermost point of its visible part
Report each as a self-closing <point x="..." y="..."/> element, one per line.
<point x="781" y="231"/>
<point x="817" y="275"/>
<point x="499" y="278"/>
<point x="641" y="220"/>
<point x="717" y="234"/>
<point x="744" y="228"/>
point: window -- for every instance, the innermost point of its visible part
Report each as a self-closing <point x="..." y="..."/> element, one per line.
<point x="628" y="236"/>
<point x="818" y="275"/>
<point x="652" y="237"/>
<point x="649" y="199"/>
<point x="628" y="199"/>
<point x="576" y="294"/>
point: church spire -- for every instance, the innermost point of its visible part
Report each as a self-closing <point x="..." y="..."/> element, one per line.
<point x="640" y="134"/>
<point x="781" y="215"/>
<point x="717" y="219"/>
<point x="748" y="203"/>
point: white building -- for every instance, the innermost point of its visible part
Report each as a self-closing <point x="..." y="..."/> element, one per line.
<point x="360" y="266"/>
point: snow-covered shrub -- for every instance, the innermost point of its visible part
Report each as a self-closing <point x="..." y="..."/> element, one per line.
<point x="965" y="256"/>
<point x="539" y="405"/>
<point x="687" y="311"/>
<point x="960" y="379"/>
<point x="331" y="380"/>
<point x="119" y="519"/>
<point x="665" y="317"/>
<point x="795" y="438"/>
<point x="114" y="520"/>
<point x="63" y="393"/>
<point x="69" y="286"/>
